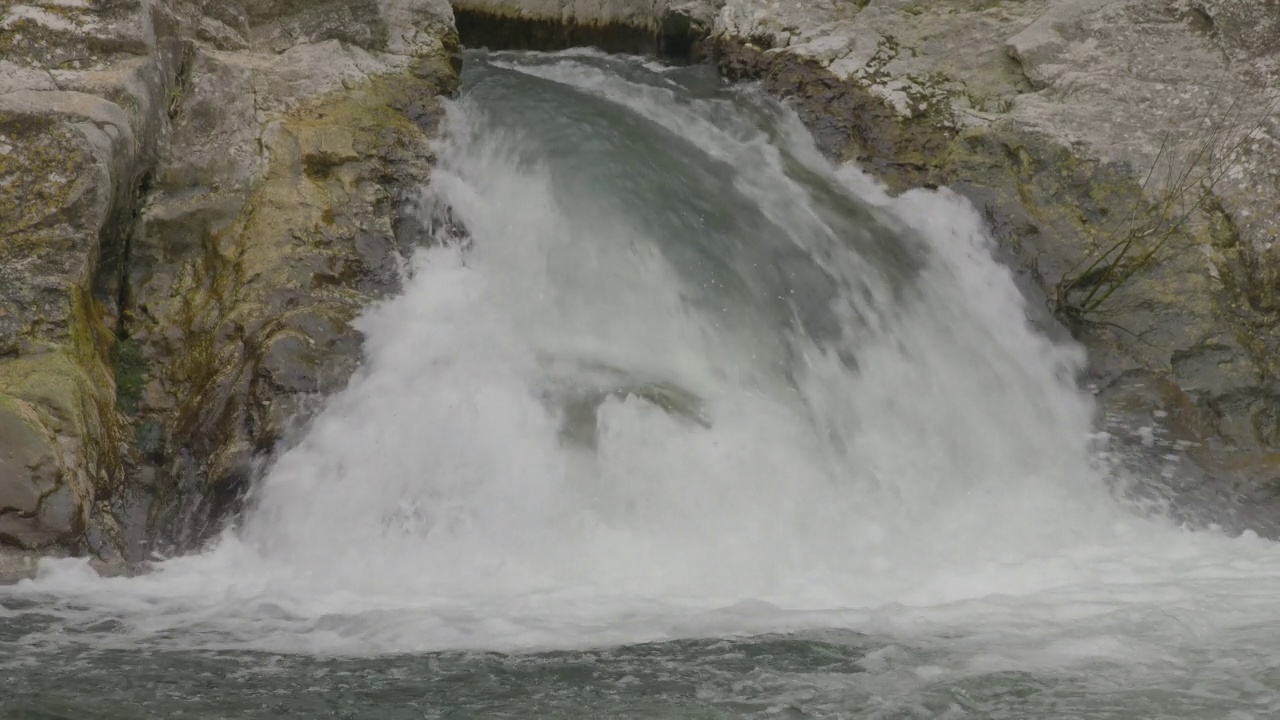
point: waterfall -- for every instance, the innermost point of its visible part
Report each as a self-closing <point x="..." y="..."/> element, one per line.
<point x="668" y="372"/>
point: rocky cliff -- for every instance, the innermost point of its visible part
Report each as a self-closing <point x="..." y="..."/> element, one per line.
<point x="195" y="200"/>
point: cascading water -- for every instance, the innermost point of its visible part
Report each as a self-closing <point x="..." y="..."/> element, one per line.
<point x="684" y="379"/>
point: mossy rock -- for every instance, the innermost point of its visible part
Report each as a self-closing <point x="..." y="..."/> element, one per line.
<point x="253" y="317"/>
<point x="848" y="121"/>
<point x="68" y="434"/>
<point x="62" y="37"/>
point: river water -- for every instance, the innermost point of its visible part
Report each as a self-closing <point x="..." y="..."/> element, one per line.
<point x="676" y="421"/>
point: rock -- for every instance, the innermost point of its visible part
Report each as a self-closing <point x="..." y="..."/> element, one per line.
<point x="76" y="134"/>
<point x="17" y="565"/>
<point x="670" y="28"/>
<point x="283" y="203"/>
<point x="297" y="235"/>
<point x="198" y="197"/>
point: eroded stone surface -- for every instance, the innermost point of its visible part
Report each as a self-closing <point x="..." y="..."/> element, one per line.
<point x="293" y="236"/>
<point x="271" y="222"/>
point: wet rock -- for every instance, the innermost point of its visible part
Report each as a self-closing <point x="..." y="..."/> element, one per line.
<point x="17" y="565"/>
<point x="576" y="391"/>
<point x="286" y="200"/>
<point x="671" y="28"/>
<point x="197" y="198"/>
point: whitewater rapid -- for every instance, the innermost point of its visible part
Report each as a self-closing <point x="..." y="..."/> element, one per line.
<point x="683" y="378"/>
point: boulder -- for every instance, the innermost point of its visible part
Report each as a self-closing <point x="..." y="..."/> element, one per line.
<point x="284" y="205"/>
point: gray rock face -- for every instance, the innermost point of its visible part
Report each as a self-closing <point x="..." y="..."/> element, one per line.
<point x="197" y="198"/>
<point x="290" y="195"/>
<point x="80" y="121"/>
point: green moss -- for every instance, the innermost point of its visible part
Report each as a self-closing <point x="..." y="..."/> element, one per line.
<point x="931" y="100"/>
<point x="42" y="177"/>
<point x="65" y="389"/>
<point x="130" y="374"/>
<point x="101" y="424"/>
<point x="1221" y="230"/>
<point x="91" y="339"/>
<point x="28" y="40"/>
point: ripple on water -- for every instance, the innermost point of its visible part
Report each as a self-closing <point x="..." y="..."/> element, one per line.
<point x="814" y="674"/>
